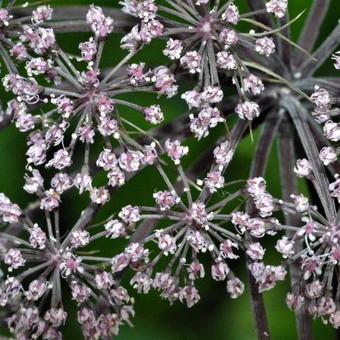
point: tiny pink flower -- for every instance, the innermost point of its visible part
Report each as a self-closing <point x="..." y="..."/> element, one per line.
<point x="175" y="151"/>
<point x="265" y="46"/>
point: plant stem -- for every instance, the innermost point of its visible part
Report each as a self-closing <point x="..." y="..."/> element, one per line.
<point x="321" y="54"/>
<point x="311" y="28"/>
<point x="289" y="186"/>
<point x="259" y="166"/>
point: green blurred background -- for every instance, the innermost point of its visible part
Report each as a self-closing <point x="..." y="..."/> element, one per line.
<point x="216" y="316"/>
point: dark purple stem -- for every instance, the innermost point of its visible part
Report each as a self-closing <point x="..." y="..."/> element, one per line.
<point x="284" y="47"/>
<point x="330" y="84"/>
<point x="255" y="5"/>
<point x="300" y="118"/>
<point x="259" y="166"/>
<point x="321" y="54"/>
<point x="311" y="29"/>
<point x="289" y="186"/>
